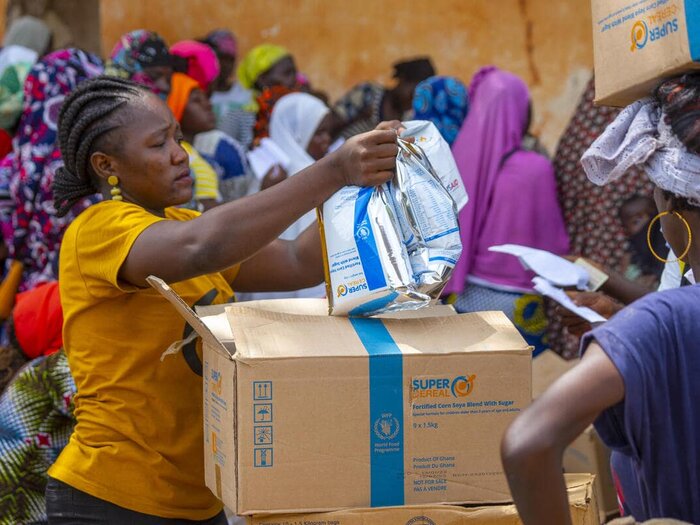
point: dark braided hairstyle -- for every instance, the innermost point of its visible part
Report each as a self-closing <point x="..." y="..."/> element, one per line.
<point x="87" y="116"/>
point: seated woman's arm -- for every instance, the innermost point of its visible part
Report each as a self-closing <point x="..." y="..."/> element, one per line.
<point x="534" y="444"/>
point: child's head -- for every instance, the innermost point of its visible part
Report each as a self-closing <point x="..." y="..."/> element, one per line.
<point x="190" y="105"/>
<point x="635" y="213"/>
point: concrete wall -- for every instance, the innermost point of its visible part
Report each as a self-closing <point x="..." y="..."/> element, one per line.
<point x="75" y="23"/>
<point x="338" y="44"/>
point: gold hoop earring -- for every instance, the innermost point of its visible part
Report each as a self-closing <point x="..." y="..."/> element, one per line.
<point x="116" y="192"/>
<point x="687" y="226"/>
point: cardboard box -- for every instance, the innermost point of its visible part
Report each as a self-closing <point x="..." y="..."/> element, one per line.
<point x="637" y="43"/>
<point x="582" y="502"/>
<point x="308" y="413"/>
<point x="587" y="454"/>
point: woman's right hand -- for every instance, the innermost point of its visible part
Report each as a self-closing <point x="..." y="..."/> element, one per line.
<point x="368" y="159"/>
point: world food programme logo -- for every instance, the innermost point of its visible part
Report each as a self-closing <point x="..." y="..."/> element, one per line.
<point x="640" y="35"/>
<point x="462" y="386"/>
<point x="362" y="231"/>
<point x="386" y="427"/>
<point x="342" y="290"/>
<point x="420" y="520"/>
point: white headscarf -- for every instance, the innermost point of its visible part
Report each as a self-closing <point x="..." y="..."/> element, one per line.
<point x="293" y="122"/>
<point x="639" y="136"/>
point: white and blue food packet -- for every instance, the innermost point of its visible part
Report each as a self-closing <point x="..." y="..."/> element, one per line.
<point x="367" y="268"/>
<point x="392" y="247"/>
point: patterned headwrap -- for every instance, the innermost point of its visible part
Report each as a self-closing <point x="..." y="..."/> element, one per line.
<point x="266" y="103"/>
<point x="37" y="232"/>
<point x="259" y="60"/>
<point x="444" y="102"/>
<point x="641" y="137"/>
<point x="223" y="42"/>
<point x="135" y="51"/>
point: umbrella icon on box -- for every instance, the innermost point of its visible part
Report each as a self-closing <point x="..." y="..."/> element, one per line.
<point x="262" y="413"/>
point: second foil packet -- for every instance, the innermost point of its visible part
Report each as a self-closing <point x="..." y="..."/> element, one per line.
<point x="392" y="247"/>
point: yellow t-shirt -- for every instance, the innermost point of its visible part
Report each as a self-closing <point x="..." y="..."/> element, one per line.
<point x="138" y="442"/>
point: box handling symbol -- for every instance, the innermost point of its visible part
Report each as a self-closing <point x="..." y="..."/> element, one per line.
<point x="263" y="457"/>
<point x="262" y="413"/>
<point x="262" y="390"/>
<point x="263" y="435"/>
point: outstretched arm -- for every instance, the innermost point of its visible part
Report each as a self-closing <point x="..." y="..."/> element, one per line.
<point x="233" y="232"/>
<point x="284" y="265"/>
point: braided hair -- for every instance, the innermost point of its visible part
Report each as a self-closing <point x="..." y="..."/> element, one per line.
<point x="87" y="116"/>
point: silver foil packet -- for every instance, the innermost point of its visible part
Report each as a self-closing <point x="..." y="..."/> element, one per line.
<point x="367" y="267"/>
<point x="427" y="216"/>
<point x="392" y="247"/>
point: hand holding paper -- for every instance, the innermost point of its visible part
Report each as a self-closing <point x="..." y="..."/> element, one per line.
<point x="557" y="270"/>
<point x="548" y="290"/>
<point x="554" y="272"/>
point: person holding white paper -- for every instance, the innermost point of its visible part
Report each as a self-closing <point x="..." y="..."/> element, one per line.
<point x="638" y="377"/>
<point x="300" y="127"/>
<point x="135" y="455"/>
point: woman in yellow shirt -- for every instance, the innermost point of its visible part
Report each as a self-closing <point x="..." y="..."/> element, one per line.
<point x="136" y="455"/>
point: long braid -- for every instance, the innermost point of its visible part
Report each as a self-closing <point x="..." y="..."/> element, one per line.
<point x="87" y="116"/>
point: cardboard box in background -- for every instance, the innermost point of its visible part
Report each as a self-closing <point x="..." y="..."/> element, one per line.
<point x="317" y="413"/>
<point x="587" y="453"/>
<point x="582" y="501"/>
<point x="637" y="43"/>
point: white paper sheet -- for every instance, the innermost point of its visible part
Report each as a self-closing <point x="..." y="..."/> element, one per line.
<point x="553" y="268"/>
<point x="547" y="289"/>
<point x="265" y="156"/>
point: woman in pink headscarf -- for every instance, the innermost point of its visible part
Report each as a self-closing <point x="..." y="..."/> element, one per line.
<point x="199" y="62"/>
<point x="512" y="199"/>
